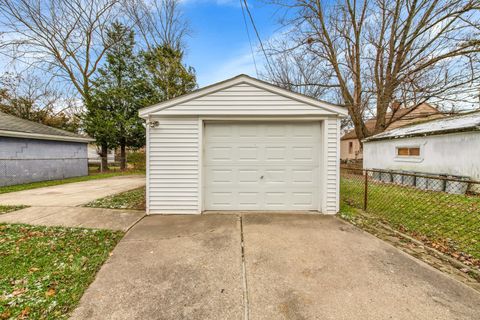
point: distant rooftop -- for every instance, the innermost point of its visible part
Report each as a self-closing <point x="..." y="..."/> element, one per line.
<point x="401" y="117"/>
<point x="458" y="123"/>
<point x="11" y="126"/>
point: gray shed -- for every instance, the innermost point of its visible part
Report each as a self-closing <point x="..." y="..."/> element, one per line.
<point x="31" y="151"/>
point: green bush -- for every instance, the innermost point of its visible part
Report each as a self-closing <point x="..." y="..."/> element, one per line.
<point x="137" y="160"/>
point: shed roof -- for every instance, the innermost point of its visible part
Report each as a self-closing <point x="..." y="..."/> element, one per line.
<point x="458" y="123"/>
<point x="11" y="126"/>
<point x="243" y="79"/>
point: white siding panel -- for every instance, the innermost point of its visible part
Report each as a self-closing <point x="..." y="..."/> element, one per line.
<point x="244" y="99"/>
<point x="173" y="166"/>
<point x="332" y="132"/>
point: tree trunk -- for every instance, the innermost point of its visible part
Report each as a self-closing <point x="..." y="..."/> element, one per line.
<point x="104" y="156"/>
<point x="123" y="158"/>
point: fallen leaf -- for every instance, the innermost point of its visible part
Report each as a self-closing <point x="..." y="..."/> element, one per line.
<point x="50" y="292"/>
<point x="25" y="313"/>
<point x="5" y="315"/>
<point x="33" y="269"/>
<point x="18" y="292"/>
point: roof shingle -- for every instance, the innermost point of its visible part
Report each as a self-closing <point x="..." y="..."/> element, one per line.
<point x="14" y="126"/>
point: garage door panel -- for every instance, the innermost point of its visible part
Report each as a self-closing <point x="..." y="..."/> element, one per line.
<point x="247" y="130"/>
<point x="247" y="198"/>
<point x="304" y="176"/>
<point x="276" y="176"/>
<point x="279" y="130"/>
<point x="250" y="153"/>
<point x="302" y="154"/>
<point x="275" y="153"/>
<point x="222" y="154"/>
<point x="221" y="198"/>
<point x="264" y="166"/>
<point x="221" y="176"/>
<point x="248" y="176"/>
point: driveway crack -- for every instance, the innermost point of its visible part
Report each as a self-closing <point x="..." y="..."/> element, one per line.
<point x="244" y="272"/>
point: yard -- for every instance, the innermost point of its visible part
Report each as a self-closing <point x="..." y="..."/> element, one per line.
<point x="6" y="209"/>
<point x="448" y="222"/>
<point x="45" y="270"/>
<point x="133" y="199"/>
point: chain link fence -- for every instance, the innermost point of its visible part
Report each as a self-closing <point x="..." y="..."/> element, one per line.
<point x="443" y="212"/>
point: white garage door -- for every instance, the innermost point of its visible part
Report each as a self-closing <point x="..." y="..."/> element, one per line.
<point x="261" y="166"/>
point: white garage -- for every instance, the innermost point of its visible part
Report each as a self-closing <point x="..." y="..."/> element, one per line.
<point x="242" y="144"/>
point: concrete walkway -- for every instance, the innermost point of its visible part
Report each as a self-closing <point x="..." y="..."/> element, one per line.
<point x="59" y="205"/>
<point x="267" y="266"/>
<point x="73" y="194"/>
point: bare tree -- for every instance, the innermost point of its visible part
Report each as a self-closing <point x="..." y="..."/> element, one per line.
<point x="30" y="97"/>
<point x="158" y="22"/>
<point x="381" y="51"/>
<point x="63" y="38"/>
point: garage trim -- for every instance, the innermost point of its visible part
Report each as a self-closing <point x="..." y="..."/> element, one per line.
<point x="205" y="121"/>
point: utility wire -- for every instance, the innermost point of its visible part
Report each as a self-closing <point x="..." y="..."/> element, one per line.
<point x="258" y="36"/>
<point x="248" y="35"/>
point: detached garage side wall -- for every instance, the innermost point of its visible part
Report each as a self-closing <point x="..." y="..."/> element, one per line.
<point x="452" y="154"/>
<point x="174" y="173"/>
<point x="332" y="165"/>
<point x="30" y="160"/>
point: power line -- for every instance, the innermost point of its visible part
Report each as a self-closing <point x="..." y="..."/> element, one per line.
<point x="258" y="36"/>
<point x="248" y="35"/>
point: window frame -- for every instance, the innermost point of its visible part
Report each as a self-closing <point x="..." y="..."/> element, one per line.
<point x="409" y="157"/>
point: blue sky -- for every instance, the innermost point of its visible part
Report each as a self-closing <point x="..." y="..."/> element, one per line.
<point x="218" y="47"/>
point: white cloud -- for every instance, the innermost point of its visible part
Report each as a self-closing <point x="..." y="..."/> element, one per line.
<point x="241" y="63"/>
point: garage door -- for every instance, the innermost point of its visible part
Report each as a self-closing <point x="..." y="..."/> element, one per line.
<point x="261" y="166"/>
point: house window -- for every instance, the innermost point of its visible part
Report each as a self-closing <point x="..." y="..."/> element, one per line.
<point x="350" y="147"/>
<point x="408" y="152"/>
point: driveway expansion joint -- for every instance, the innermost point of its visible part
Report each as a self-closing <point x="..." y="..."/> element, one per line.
<point x="244" y="270"/>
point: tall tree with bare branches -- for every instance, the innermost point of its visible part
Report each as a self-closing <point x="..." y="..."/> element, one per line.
<point x="64" y="38"/>
<point x="158" y="22"/>
<point x="371" y="53"/>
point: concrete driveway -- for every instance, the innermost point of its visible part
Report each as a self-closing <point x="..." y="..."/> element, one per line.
<point x="73" y="194"/>
<point x="274" y="266"/>
<point x="59" y="205"/>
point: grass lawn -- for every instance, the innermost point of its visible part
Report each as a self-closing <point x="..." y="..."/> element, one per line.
<point x="133" y="199"/>
<point x="45" y="270"/>
<point x="447" y="219"/>
<point x="40" y="184"/>
<point x="6" y="209"/>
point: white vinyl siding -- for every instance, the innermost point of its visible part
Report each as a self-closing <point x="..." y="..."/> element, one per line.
<point x="244" y="99"/>
<point x="177" y="180"/>
<point x="173" y="166"/>
<point x="332" y="134"/>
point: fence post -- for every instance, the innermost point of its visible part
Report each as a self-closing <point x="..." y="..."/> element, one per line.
<point x="365" y="192"/>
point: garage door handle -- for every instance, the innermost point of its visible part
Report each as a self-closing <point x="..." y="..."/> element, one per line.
<point x="261" y="177"/>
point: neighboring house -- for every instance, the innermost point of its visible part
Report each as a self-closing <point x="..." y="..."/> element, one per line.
<point x="242" y="144"/>
<point x="350" y="148"/>
<point x="94" y="157"/>
<point x="30" y="151"/>
<point x="447" y="146"/>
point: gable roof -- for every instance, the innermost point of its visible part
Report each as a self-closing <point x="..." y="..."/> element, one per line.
<point x="403" y="116"/>
<point x="11" y="126"/>
<point x="243" y="79"/>
<point x="458" y="123"/>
